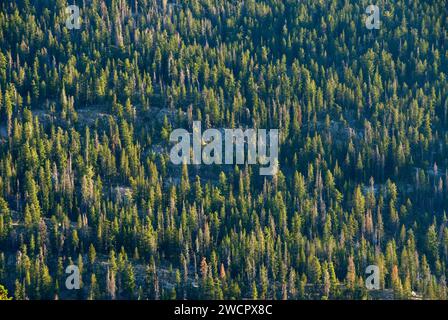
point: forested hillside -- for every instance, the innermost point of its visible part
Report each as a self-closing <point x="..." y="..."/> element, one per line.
<point x="86" y="178"/>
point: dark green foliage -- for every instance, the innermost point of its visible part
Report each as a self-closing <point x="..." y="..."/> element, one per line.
<point x="85" y="176"/>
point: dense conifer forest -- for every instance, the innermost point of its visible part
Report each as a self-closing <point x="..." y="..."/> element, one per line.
<point x="86" y="177"/>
